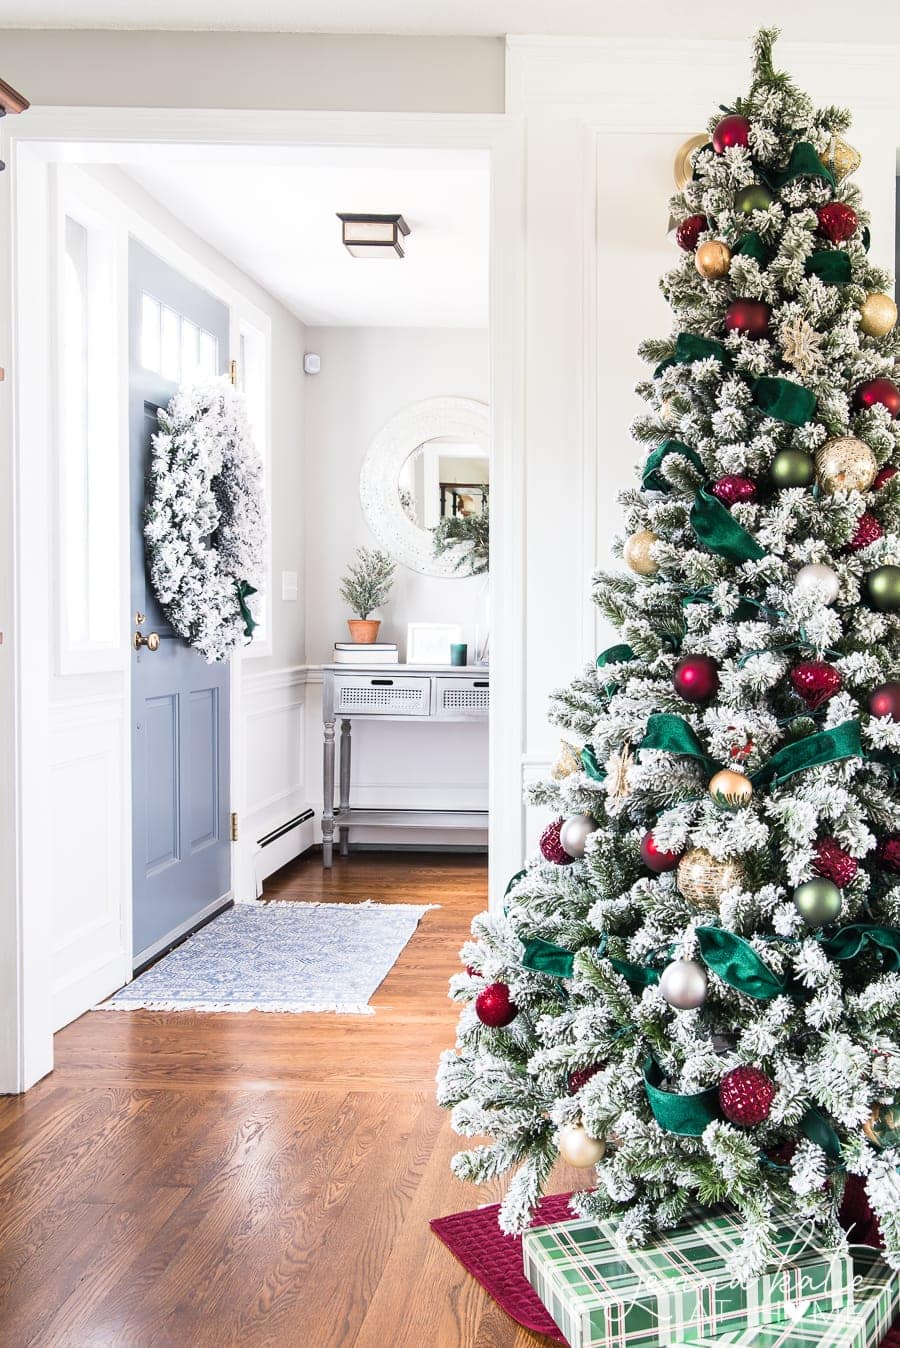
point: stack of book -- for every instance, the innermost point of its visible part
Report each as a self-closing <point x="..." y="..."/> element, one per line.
<point x="366" y="653"/>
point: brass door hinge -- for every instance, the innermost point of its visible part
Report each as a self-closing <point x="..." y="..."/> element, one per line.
<point x="234" y="826"/>
<point x="233" y="372"/>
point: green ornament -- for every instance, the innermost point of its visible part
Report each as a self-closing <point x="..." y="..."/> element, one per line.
<point x="818" y="901"/>
<point x="752" y="198"/>
<point x="883" y="588"/>
<point x="793" y="468"/>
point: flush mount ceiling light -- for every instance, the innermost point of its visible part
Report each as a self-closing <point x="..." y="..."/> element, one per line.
<point x="373" y="235"/>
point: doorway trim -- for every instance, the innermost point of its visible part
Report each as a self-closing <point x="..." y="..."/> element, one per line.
<point x="83" y="135"/>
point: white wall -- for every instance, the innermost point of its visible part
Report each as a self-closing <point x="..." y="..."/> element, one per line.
<point x="369" y="374"/>
<point x="366" y="73"/>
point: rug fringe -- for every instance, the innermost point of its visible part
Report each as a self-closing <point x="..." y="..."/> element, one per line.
<point x="419" y="908"/>
<point x="291" y="1008"/>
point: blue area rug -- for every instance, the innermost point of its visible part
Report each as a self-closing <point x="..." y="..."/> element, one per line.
<point x="278" y="957"/>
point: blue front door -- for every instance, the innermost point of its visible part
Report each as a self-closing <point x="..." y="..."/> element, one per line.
<point x="180" y="704"/>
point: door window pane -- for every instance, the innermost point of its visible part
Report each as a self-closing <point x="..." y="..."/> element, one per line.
<point x="150" y="319"/>
<point x="170" y="345"/>
<point x="209" y="353"/>
<point x="190" y="348"/>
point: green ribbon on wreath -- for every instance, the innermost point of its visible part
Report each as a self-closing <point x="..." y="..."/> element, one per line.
<point x="653" y="479"/>
<point x="783" y="400"/>
<point x="850" y="941"/>
<point x="717" y="529"/>
<point x="804" y="163"/>
<point x="827" y="746"/>
<point x="686" y="1115"/>
<point x="831" y="265"/>
<point x="737" y="964"/>
<point x="244" y="591"/>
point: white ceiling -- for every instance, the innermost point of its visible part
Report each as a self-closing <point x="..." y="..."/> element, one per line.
<point x="277" y="221"/>
<point x="832" y="20"/>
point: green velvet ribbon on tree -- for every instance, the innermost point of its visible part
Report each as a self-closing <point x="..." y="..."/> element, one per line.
<point x="817" y="1129"/>
<point x="751" y="245"/>
<point x="866" y="237"/>
<point x="708" y="146"/>
<point x="653" y="479"/>
<point x="673" y="735"/>
<point x="827" y="746"/>
<point x="783" y="399"/>
<point x="804" y="163"/>
<point x="244" y="591"/>
<point x="591" y="766"/>
<point x="689" y="347"/>
<point x="686" y="1115"/>
<point x="849" y="942"/>
<point x="831" y="265"/>
<point x="544" y="957"/>
<point x="614" y="655"/>
<point x="717" y="529"/>
<point x="737" y="964"/>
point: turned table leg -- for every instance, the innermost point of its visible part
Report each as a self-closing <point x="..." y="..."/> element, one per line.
<point x="344" y="829"/>
<point x="328" y="794"/>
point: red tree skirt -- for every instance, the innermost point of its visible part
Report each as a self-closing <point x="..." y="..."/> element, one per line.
<point x="495" y="1260"/>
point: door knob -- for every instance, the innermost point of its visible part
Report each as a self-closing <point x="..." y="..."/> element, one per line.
<point x="151" y="641"/>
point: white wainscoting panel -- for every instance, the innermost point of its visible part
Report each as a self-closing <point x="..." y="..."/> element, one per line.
<point x="87" y="842"/>
<point x="275" y="791"/>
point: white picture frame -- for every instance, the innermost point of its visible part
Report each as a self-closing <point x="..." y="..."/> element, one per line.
<point x="429" y="643"/>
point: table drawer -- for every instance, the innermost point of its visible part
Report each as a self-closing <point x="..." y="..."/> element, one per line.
<point x="462" y="699"/>
<point x="377" y="695"/>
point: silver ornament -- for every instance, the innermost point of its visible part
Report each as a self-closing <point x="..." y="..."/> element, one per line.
<point x="818" y="901"/>
<point x="817" y="579"/>
<point x="578" y="1147"/>
<point x="575" y="832"/>
<point x="683" y="984"/>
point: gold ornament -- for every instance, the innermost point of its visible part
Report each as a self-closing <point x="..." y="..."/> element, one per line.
<point x="845" y="464"/>
<point x="578" y="1147"/>
<point x="568" y="760"/>
<point x="666" y="411"/>
<point x="617" y="768"/>
<point x="801" y="345"/>
<point x="683" y="169"/>
<point x="878" y="314"/>
<point x="712" y="259"/>
<point x="841" y="158"/>
<point x="637" y="553"/>
<point x="732" y="790"/>
<point x="703" y="879"/>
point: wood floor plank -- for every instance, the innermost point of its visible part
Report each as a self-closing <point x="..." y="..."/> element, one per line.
<point x="207" y="1180"/>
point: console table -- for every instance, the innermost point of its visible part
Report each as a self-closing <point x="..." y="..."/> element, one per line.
<point x="393" y="693"/>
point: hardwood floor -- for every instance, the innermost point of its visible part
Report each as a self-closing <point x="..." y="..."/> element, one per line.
<point x="258" y="1179"/>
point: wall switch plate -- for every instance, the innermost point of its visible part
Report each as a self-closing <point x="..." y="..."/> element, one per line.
<point x="289" y="585"/>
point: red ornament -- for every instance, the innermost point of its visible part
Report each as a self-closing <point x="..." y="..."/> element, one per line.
<point x="746" y="1095"/>
<point x="816" y="682"/>
<point x="696" y="678"/>
<point x="733" y="488"/>
<point x="494" y="1007"/>
<point x="551" y="848"/>
<point x="655" y="859"/>
<point x="875" y="393"/>
<point x="885" y="700"/>
<point x="884" y="475"/>
<point x="784" y="1152"/>
<point x="888" y="852"/>
<point x="472" y="971"/>
<point x="732" y="130"/>
<point x="581" y="1076"/>
<point x="739" y="752"/>
<point x="867" y="531"/>
<point x="751" y="317"/>
<point x="689" y="231"/>
<point x="837" y="221"/>
<point x="834" y="862"/>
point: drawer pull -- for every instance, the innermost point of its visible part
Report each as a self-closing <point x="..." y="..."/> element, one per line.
<point x="382" y="683"/>
<point x="482" y="683"/>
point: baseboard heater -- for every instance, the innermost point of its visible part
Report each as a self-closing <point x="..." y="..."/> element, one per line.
<point x="280" y="845"/>
<point x="282" y="829"/>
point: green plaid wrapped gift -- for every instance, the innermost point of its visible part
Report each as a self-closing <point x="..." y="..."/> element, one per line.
<point x="863" y="1325"/>
<point x="677" y="1287"/>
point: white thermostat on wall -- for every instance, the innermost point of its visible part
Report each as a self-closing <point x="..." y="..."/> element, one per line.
<point x="312" y="363"/>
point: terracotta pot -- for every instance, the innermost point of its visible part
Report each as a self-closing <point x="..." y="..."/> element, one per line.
<point x="363" y="631"/>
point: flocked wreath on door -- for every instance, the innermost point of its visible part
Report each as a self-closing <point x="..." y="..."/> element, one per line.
<point x="205" y="521"/>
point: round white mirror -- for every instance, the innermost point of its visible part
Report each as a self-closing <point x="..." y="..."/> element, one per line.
<point x="428" y="470"/>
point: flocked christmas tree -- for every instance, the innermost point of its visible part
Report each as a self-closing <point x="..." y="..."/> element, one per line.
<point x="695" y="988"/>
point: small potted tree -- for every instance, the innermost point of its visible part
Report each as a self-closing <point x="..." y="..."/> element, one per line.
<point x="365" y="587"/>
